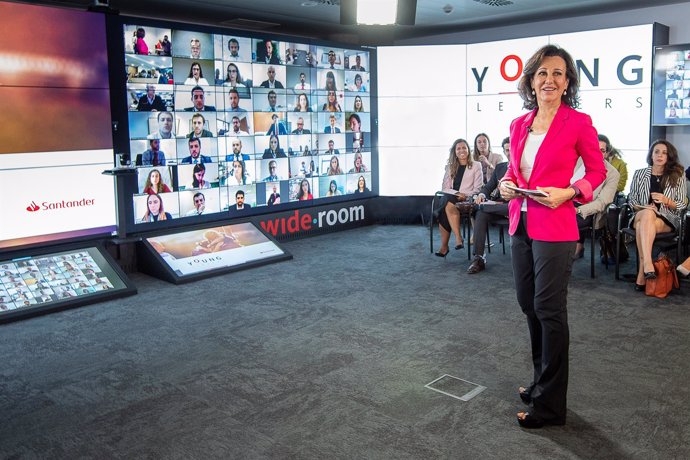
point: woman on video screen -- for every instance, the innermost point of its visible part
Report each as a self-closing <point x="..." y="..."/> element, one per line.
<point x="358" y="105"/>
<point x="332" y="104"/>
<point x="333" y="189"/>
<point x="154" y="185"/>
<point x="198" y="180"/>
<point x="154" y="209"/>
<point x="233" y="77"/>
<point x="304" y="191"/>
<point x="196" y="76"/>
<point x="302" y="103"/>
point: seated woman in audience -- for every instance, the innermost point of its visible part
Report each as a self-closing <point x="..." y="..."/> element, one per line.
<point x="483" y="155"/>
<point x="465" y="176"/>
<point x="602" y="197"/>
<point x="658" y="195"/>
<point x="613" y="156"/>
<point x="154" y="184"/>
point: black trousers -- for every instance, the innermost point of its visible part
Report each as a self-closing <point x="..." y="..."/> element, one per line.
<point x="484" y="216"/>
<point x="541" y="270"/>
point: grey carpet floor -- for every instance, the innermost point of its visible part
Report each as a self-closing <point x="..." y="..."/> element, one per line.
<point x="327" y="356"/>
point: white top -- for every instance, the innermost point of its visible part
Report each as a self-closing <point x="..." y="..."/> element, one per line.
<point x="529" y="154"/>
<point x="192" y="82"/>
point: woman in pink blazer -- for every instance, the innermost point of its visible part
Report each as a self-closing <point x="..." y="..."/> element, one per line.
<point x="545" y="144"/>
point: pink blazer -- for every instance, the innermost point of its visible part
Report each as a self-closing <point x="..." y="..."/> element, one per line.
<point x="570" y="136"/>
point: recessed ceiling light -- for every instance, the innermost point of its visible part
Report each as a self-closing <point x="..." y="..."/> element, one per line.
<point x="309" y="3"/>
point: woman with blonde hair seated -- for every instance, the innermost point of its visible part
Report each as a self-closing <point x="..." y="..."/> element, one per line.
<point x="658" y="196"/>
<point x="466" y="177"/>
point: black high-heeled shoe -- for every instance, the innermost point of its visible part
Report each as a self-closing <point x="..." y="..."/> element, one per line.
<point x="441" y="254"/>
<point x="650" y="275"/>
<point x="459" y="246"/>
<point x="530" y="421"/>
<point x="640" y="287"/>
<point x="525" y="395"/>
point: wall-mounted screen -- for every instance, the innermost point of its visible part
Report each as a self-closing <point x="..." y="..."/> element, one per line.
<point x="225" y="124"/>
<point x="56" y="125"/>
<point x="671" y="99"/>
<point x="55" y="280"/>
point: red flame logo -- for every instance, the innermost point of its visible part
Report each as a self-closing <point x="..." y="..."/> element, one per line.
<point x="33" y="207"/>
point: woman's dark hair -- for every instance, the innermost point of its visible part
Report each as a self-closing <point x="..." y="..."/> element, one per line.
<point x="363" y="180"/>
<point x="610" y="151"/>
<point x="673" y="171"/>
<point x="476" y="153"/>
<point x="301" y="193"/>
<point x="201" y="71"/>
<point x="227" y="73"/>
<point x="570" y="98"/>
<point x="141" y="33"/>
<point x="277" y="140"/>
<point x="453" y="162"/>
<point x="197" y="168"/>
<point x="331" y="75"/>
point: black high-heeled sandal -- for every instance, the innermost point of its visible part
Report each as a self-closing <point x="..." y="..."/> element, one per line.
<point x="525" y="395"/>
<point x="441" y="254"/>
<point x="640" y="287"/>
<point x="530" y="421"/>
<point x="650" y="275"/>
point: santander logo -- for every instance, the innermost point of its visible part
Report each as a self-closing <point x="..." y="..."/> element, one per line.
<point x="47" y="205"/>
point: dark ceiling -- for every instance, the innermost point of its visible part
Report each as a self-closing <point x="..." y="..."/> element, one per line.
<point x="321" y="18"/>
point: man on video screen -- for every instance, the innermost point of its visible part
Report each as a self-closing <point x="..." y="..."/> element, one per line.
<point x="300" y="127"/>
<point x="302" y="82"/>
<point x="234" y="48"/>
<point x="165" y="127"/>
<point x="240" y="205"/>
<point x="198" y="122"/>
<point x="150" y="101"/>
<point x="236" y="128"/>
<point x="195" y="156"/>
<point x="195" y="48"/>
<point x="198" y="99"/>
<point x="199" y="205"/>
<point x="234" y="98"/>
<point x="153" y="156"/>
<point x="236" y="154"/>
<point x="272" y="82"/>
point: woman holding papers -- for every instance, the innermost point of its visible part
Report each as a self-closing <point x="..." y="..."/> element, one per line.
<point x="464" y="176"/>
<point x="658" y="194"/>
<point x="545" y="145"/>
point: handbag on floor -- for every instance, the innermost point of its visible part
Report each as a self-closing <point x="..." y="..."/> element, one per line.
<point x="666" y="278"/>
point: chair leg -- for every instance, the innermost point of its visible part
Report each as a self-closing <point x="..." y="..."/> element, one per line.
<point x="591" y="255"/>
<point x="502" y="236"/>
<point x="488" y="241"/>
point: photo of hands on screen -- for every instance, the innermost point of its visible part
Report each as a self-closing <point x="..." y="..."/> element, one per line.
<point x="221" y="123"/>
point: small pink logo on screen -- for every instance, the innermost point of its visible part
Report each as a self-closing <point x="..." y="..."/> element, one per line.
<point x="33" y="207"/>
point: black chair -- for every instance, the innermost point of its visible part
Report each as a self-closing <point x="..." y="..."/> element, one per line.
<point x="502" y="224"/>
<point x="465" y="224"/>
<point x="595" y="230"/>
<point x="665" y="240"/>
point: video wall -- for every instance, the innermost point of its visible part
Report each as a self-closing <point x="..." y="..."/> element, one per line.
<point x="671" y="101"/>
<point x="56" y="126"/>
<point x="226" y="124"/>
